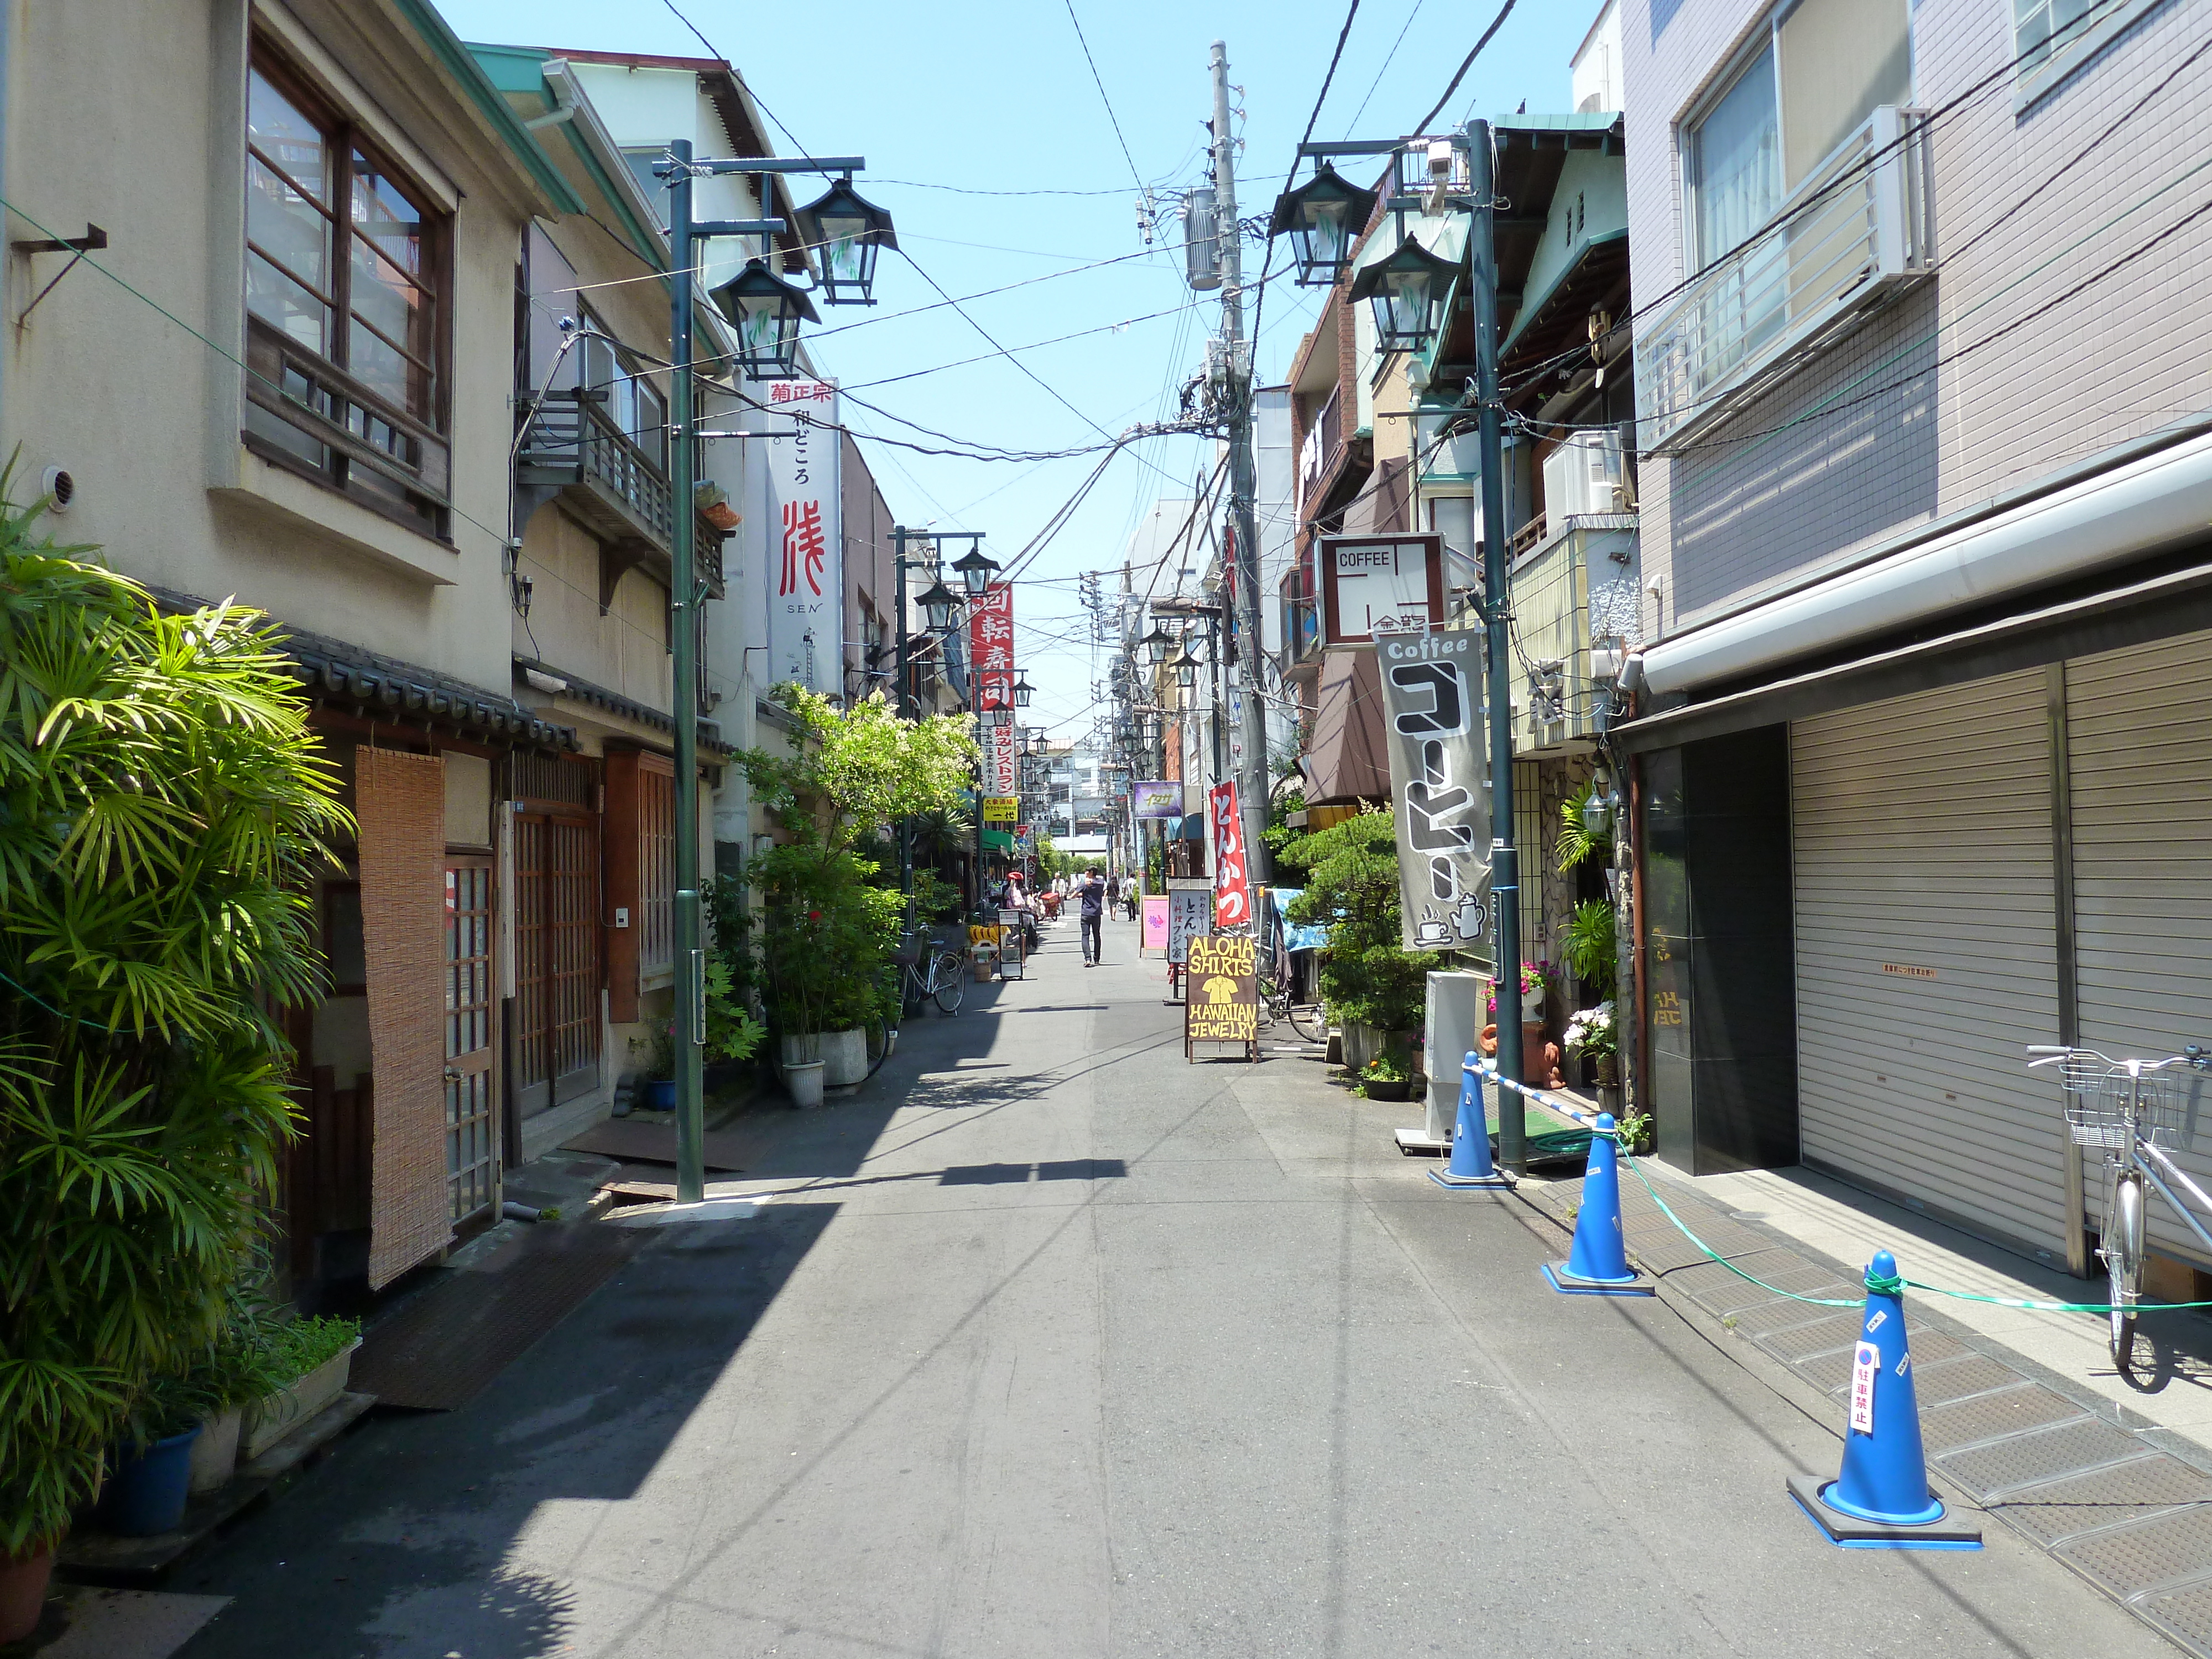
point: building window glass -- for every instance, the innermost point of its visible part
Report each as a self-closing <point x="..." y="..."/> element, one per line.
<point x="345" y="291"/>
<point x="2035" y="22"/>
<point x="1735" y="157"/>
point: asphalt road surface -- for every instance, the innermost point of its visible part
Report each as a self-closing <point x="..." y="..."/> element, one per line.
<point x="1050" y="1344"/>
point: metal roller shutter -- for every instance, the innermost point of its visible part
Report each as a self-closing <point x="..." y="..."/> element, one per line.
<point x="1926" y="952"/>
<point x="2139" y="731"/>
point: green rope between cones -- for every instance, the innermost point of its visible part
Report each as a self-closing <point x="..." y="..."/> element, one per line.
<point x="1881" y="1286"/>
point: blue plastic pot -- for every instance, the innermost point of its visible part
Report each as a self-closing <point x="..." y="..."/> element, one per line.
<point x="145" y="1493"/>
<point x="660" y="1094"/>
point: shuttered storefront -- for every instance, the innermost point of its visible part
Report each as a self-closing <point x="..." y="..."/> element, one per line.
<point x="2140" y="734"/>
<point x="1925" y="941"/>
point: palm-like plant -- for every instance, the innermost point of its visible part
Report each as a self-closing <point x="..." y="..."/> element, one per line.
<point x="162" y="809"/>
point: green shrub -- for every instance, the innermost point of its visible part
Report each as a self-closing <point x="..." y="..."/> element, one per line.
<point x="163" y="809"/>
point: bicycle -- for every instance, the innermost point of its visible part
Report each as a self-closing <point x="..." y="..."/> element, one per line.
<point x="1306" y="1018"/>
<point x="925" y="974"/>
<point x="2131" y="1111"/>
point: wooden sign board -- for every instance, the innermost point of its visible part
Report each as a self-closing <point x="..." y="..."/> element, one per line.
<point x="1222" y="1002"/>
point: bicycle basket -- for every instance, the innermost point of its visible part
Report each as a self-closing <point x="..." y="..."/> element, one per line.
<point x="910" y="947"/>
<point x="2101" y="1103"/>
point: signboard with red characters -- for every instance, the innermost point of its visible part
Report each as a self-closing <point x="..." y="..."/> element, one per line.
<point x="991" y="656"/>
<point x="1232" y="888"/>
<point x="804" y="555"/>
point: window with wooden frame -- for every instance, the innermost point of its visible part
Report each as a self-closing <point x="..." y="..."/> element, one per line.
<point x="348" y="292"/>
<point x="641" y="865"/>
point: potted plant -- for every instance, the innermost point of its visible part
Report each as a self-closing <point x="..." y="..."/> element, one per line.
<point x="829" y="932"/>
<point x="1376" y="988"/>
<point x="1593" y="1034"/>
<point x="239" y="1367"/>
<point x="311" y="1362"/>
<point x="659" y="1091"/>
<point x="155" y="917"/>
<point x="1536" y="983"/>
<point x="1386" y="1078"/>
<point x="149" y="1467"/>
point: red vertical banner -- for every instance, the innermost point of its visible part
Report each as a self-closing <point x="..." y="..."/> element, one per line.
<point x="991" y="652"/>
<point x="1232" y="889"/>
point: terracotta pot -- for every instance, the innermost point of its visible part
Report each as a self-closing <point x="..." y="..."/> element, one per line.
<point x="1535" y="1068"/>
<point x="23" y="1581"/>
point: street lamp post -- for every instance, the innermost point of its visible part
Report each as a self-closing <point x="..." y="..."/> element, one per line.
<point x="766" y="312"/>
<point x="1407" y="289"/>
<point x="938" y="604"/>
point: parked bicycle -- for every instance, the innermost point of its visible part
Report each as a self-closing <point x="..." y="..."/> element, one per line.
<point x="926" y="971"/>
<point x="1306" y="1018"/>
<point x="2132" y="1111"/>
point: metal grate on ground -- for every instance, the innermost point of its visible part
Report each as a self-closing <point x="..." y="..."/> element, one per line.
<point x="2134" y="1521"/>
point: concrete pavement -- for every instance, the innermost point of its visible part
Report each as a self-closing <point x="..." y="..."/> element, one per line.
<point x="1050" y="1344"/>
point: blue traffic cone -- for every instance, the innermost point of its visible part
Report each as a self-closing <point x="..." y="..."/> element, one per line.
<point x="1470" y="1164"/>
<point x="1882" y="1499"/>
<point x="1597" y="1265"/>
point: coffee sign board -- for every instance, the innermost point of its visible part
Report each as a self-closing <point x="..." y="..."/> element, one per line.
<point x="1374" y="584"/>
<point x="1221" y="1002"/>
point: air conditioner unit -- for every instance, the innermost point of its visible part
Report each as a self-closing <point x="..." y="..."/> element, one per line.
<point x="1583" y="476"/>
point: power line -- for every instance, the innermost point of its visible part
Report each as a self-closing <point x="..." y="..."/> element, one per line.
<point x="1465" y="64"/>
<point x="1385" y="69"/>
<point x="1329" y="76"/>
<point x="1097" y="81"/>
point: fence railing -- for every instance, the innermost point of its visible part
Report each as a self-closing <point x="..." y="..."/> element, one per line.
<point x="1857" y="228"/>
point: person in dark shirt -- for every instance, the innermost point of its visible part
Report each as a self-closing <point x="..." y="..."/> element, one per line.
<point x="1092" y="895"/>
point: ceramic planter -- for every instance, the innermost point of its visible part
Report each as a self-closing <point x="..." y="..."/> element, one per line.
<point x="805" y="1082"/>
<point x="1358" y="1045"/>
<point x="23" y="1581"/>
<point x="144" y="1495"/>
<point x="661" y="1094"/>
<point x="844" y="1058"/>
<point x="1382" y="1089"/>
<point x="805" y="1049"/>
<point x="214" y="1454"/>
<point x="271" y="1418"/>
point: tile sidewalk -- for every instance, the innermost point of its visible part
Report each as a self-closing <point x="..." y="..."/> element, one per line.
<point x="2022" y="1414"/>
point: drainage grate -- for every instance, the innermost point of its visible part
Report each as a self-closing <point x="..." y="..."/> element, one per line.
<point x="1998" y="1416"/>
<point x="2123" y="1491"/>
<point x="1770" y="1317"/>
<point x="2143" y="1554"/>
<point x="1837" y="1331"/>
<point x="1830" y="1371"/>
<point x="1938" y="1382"/>
<point x="2031" y="1459"/>
<point x="2183" y="1612"/>
<point x="1784" y="1269"/>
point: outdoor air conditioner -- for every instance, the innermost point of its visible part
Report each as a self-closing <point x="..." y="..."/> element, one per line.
<point x="1583" y="476"/>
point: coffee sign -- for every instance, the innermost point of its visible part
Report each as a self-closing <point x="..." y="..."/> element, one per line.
<point x="1374" y="584"/>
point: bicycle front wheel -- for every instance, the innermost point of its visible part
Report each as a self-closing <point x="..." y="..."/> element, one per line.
<point x="2123" y="1260"/>
<point x="1310" y="1022"/>
<point x="951" y="987"/>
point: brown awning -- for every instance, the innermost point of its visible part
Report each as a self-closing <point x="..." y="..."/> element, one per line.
<point x="1346" y="760"/>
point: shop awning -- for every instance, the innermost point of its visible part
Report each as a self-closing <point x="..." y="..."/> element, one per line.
<point x="1346" y="760"/>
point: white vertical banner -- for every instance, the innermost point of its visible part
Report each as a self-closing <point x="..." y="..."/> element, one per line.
<point x="805" y="574"/>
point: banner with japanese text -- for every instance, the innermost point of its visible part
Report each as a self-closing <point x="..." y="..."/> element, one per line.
<point x="1232" y="888"/>
<point x="991" y="652"/>
<point x="805" y="563"/>
<point x="1440" y="784"/>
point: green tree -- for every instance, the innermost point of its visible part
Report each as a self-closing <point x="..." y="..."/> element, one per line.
<point x="163" y="808"/>
<point x="825" y="950"/>
<point x="1350" y="874"/>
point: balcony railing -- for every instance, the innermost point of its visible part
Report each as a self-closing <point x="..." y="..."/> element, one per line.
<point x="1575" y="591"/>
<point x="572" y="440"/>
<point x="622" y="494"/>
<point x="1323" y="440"/>
<point x="1856" y="229"/>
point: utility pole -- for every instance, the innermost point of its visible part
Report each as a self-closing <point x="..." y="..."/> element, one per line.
<point x="686" y="594"/>
<point x="1245" y="579"/>
<point x="1496" y="593"/>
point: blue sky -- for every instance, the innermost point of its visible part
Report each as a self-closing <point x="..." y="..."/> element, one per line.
<point x="1000" y="98"/>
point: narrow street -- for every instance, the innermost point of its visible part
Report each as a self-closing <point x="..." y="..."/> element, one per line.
<point x="1048" y="1343"/>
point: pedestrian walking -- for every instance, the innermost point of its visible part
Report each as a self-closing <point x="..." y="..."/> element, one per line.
<point x="1093" y="899"/>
